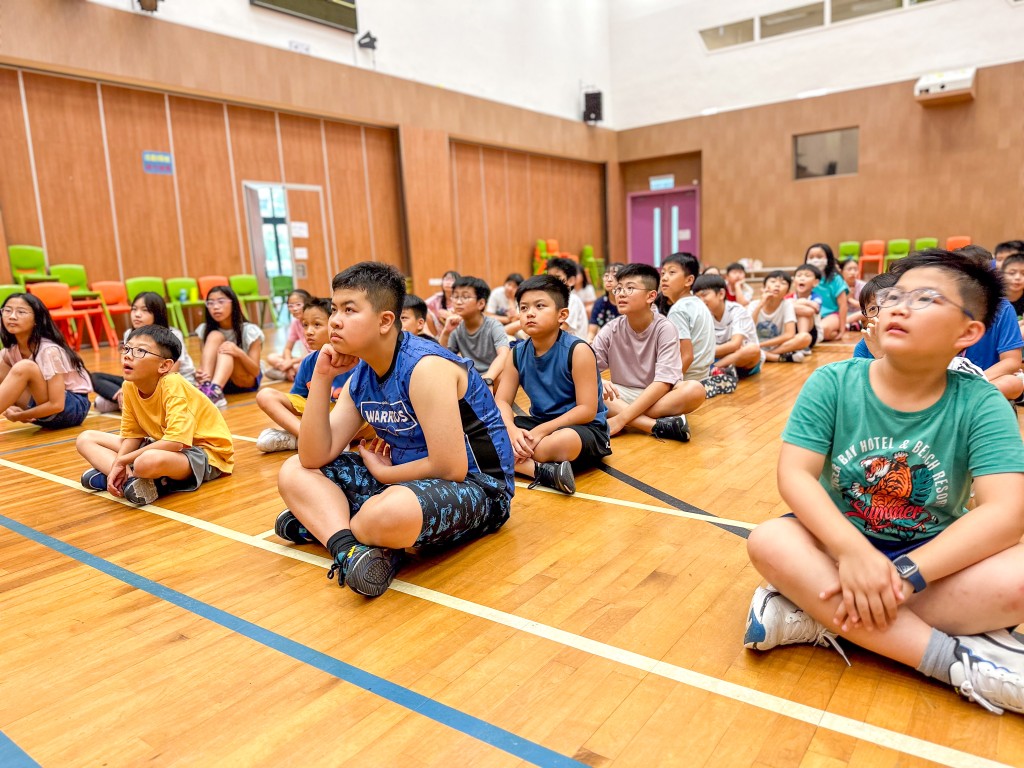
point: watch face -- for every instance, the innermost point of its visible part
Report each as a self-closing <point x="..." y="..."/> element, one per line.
<point x="905" y="567"/>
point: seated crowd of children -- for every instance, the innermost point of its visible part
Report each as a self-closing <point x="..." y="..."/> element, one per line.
<point x="415" y="435"/>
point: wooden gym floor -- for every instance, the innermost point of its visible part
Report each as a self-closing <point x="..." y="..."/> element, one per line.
<point x="603" y="629"/>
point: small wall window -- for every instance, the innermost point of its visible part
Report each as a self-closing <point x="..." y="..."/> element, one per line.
<point x="792" y="20"/>
<point x="829" y="153"/>
<point x="852" y="9"/>
<point x="728" y="34"/>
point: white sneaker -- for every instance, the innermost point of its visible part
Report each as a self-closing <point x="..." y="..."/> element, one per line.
<point x="106" y="406"/>
<point x="773" y="621"/>
<point x="273" y="374"/>
<point x="990" y="671"/>
<point x="272" y="440"/>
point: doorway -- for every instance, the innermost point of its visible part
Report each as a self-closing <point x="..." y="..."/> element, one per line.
<point x="663" y="223"/>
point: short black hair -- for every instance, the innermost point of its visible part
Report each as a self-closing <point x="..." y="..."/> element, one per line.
<point x="647" y="274"/>
<point x="315" y="302"/>
<point x="1017" y="246"/>
<point x="709" y="283"/>
<point x="687" y="261"/>
<point x="779" y="274"/>
<point x="614" y="267"/>
<point x="567" y="266"/>
<point x="736" y="265"/>
<point x="163" y="337"/>
<point x="873" y="286"/>
<point x="980" y="288"/>
<point x="549" y="284"/>
<point x="416" y="305"/>
<point x="976" y="253"/>
<point x="514" y="277"/>
<point x="1013" y="258"/>
<point x="808" y="268"/>
<point x="479" y="286"/>
<point x="383" y="285"/>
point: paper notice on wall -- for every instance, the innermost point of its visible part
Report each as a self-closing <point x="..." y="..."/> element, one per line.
<point x="301" y="254"/>
<point x="684" y="234"/>
<point x="300" y="271"/>
<point x="300" y="229"/>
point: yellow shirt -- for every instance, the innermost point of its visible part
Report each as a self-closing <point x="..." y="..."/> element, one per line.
<point x="178" y="411"/>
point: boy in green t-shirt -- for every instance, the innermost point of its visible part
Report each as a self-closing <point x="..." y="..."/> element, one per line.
<point x="877" y="464"/>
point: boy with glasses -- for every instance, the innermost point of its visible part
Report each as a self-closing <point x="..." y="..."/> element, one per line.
<point x="877" y="465"/>
<point x="172" y="437"/>
<point x="471" y="334"/>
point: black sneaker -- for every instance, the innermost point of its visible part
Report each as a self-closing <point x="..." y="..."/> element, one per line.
<point x="140" y="490"/>
<point x="554" y="474"/>
<point x="288" y="527"/>
<point x="368" y="571"/>
<point x="672" y="428"/>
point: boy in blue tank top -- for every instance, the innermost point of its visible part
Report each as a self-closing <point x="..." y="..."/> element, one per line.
<point x="567" y="426"/>
<point x="881" y="548"/>
<point x="440" y="472"/>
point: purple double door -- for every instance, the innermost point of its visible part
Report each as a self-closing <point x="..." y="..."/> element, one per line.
<point x="661" y="223"/>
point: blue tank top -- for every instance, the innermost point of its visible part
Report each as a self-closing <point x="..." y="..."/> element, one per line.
<point x="547" y="380"/>
<point x="386" y="405"/>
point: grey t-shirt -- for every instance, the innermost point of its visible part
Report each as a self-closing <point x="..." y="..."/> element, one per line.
<point x="693" y="321"/>
<point x="480" y="347"/>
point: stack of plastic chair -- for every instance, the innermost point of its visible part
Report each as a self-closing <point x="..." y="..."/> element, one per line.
<point x="26" y="260"/>
<point x="9" y="290"/>
<point x="872" y="252"/>
<point x="185" y="290"/>
<point x="57" y="299"/>
<point x="137" y="285"/>
<point x="540" y="257"/>
<point x="247" y="288"/>
<point x="281" y="287"/>
<point x="849" y="249"/>
<point x="595" y="272"/>
<point x="926" y="242"/>
<point x="115" y="298"/>
<point x="207" y="282"/>
<point x="895" y="250"/>
<point x="73" y="276"/>
<point x="957" y="241"/>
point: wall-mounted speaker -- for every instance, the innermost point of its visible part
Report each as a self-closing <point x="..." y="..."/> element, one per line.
<point x="592" y="107"/>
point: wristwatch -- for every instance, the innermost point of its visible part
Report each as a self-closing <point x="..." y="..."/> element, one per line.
<point x="488" y="381"/>
<point x="908" y="570"/>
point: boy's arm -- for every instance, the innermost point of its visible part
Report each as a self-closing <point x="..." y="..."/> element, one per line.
<point x="498" y="364"/>
<point x="686" y="353"/>
<point x="450" y="325"/>
<point x="584" y="377"/>
<point x="508" y="387"/>
<point x="721" y="350"/>
<point x="324" y="433"/>
<point x="786" y="335"/>
<point x="1009" y="363"/>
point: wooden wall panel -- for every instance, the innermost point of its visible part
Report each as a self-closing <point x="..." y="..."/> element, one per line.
<point x="470" y="252"/>
<point x="17" y="198"/>
<point x="146" y="212"/>
<point x="71" y="168"/>
<point x="254" y="150"/>
<point x="636" y="175"/>
<point x="385" y="187"/>
<point x="349" y="201"/>
<point x="305" y="205"/>
<point x="521" y="234"/>
<point x="211" y="224"/>
<point x="542" y="215"/>
<point x="427" y="186"/>
<point x="499" y="257"/>
<point x="301" y="147"/>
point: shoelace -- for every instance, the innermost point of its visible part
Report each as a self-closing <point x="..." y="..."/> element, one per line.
<point x="800" y="625"/>
<point x="968" y="687"/>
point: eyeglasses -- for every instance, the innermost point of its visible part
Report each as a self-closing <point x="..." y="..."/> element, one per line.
<point x="16" y="312"/>
<point x="623" y="290"/>
<point x="461" y="297"/>
<point x="218" y="302"/>
<point x="137" y="352"/>
<point x="919" y="298"/>
<point x="291" y="305"/>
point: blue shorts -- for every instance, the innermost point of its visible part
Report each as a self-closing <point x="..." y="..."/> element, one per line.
<point x="744" y="373"/>
<point x="230" y="388"/>
<point x="891" y="549"/>
<point x="453" y="512"/>
<point x="76" y="408"/>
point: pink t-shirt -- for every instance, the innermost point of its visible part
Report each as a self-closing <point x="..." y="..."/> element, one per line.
<point x="639" y="359"/>
<point x="296" y="333"/>
<point x="52" y="360"/>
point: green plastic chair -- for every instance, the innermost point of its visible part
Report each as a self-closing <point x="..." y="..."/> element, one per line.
<point x="894" y="251"/>
<point x="9" y="290"/>
<point x="175" y="286"/>
<point x="849" y="249"/>
<point x="26" y="259"/>
<point x="137" y="285"/>
<point x="247" y="288"/>
<point x="926" y="242"/>
<point x="281" y="287"/>
<point x="73" y="275"/>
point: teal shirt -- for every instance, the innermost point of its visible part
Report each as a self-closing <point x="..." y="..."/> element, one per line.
<point x="829" y="291"/>
<point x="901" y="476"/>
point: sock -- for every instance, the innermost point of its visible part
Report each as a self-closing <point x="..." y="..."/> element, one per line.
<point x="341" y="542"/>
<point x="938" y="656"/>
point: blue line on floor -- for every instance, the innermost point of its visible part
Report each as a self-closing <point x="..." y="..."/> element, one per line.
<point x="13" y="756"/>
<point x="672" y="501"/>
<point x="404" y="697"/>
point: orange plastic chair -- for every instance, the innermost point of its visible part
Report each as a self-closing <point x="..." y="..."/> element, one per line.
<point x="56" y="297"/>
<point x="115" y="297"/>
<point x="871" y="252"/>
<point x="552" y="247"/>
<point x="957" y="241"/>
<point x="206" y="282"/>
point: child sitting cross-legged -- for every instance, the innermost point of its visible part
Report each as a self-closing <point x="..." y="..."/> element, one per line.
<point x="473" y="335"/>
<point x="281" y="365"/>
<point x="775" y="320"/>
<point x="694" y="325"/>
<point x="567" y="425"/>
<point x="286" y="409"/>
<point x="641" y="348"/>
<point x="807" y="303"/>
<point x="172" y="437"/>
<point x="881" y="548"/>
<point x="737" y="349"/>
<point x="231" y="348"/>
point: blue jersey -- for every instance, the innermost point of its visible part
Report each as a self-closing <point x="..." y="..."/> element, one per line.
<point x="1003" y="335"/>
<point x="386" y="405"/>
<point x="305" y="374"/>
<point x="547" y="379"/>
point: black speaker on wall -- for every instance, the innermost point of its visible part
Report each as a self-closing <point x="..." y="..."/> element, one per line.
<point x="592" y="107"/>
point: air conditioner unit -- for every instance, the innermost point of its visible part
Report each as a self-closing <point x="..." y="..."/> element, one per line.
<point x="945" y="87"/>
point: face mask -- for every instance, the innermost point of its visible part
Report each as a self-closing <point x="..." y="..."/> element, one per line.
<point x="818" y="262"/>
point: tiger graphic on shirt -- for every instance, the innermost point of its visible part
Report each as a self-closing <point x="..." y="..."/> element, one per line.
<point x="892" y="502"/>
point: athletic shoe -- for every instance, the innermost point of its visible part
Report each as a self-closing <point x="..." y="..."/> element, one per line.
<point x="791" y="357"/>
<point x="368" y="571"/>
<point x="990" y="670"/>
<point x="106" y="406"/>
<point x="216" y="394"/>
<point x="554" y="474"/>
<point x="773" y="621"/>
<point x="672" y="428"/>
<point x="273" y="374"/>
<point x="719" y="384"/>
<point x="204" y="388"/>
<point x="94" y="480"/>
<point x="271" y="440"/>
<point x="140" y="490"/>
<point x="288" y="527"/>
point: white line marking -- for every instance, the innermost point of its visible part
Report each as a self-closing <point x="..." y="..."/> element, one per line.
<point x="266" y="534"/>
<point x="871" y="734"/>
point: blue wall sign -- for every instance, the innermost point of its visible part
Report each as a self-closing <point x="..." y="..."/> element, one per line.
<point x="157" y="162"/>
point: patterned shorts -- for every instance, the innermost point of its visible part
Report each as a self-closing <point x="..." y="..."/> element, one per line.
<point x="453" y="512"/>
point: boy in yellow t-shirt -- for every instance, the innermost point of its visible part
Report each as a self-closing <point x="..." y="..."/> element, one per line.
<point x="172" y="436"/>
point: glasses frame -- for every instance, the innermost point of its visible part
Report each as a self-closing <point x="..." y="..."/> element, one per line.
<point x="624" y="290"/>
<point x="882" y="300"/>
<point x="217" y="302"/>
<point x="15" y="312"/>
<point x="131" y="352"/>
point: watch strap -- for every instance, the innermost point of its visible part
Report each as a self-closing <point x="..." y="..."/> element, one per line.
<point x="908" y="570"/>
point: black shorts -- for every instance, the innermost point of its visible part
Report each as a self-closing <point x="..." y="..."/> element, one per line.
<point x="814" y="336"/>
<point x="596" y="442"/>
<point x="453" y="512"/>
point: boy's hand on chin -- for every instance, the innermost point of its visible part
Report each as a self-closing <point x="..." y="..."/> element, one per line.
<point x="330" y="362"/>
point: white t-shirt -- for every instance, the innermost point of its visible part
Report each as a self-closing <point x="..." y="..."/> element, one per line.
<point x="586" y="294"/>
<point x="578" y="320"/>
<point x="694" y="321"/>
<point x="498" y="303"/>
<point x="735" y="319"/>
<point x="771" y="325"/>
